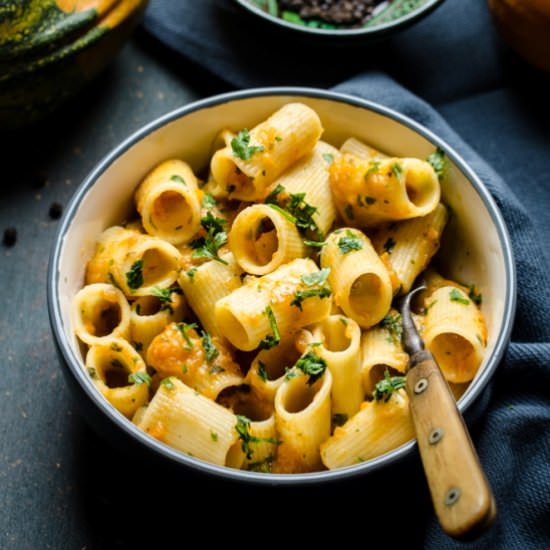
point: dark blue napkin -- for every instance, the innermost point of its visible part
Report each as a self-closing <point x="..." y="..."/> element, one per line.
<point x="455" y="61"/>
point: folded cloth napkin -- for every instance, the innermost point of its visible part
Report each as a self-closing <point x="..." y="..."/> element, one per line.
<point x="454" y="60"/>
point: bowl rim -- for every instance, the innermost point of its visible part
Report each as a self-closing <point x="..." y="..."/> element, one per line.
<point x="74" y="365"/>
<point x="377" y="30"/>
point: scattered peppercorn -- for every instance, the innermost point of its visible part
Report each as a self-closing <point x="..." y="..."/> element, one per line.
<point x="10" y="236"/>
<point x="56" y="209"/>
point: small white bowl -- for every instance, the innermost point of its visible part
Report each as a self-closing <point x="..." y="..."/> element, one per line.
<point x="476" y="245"/>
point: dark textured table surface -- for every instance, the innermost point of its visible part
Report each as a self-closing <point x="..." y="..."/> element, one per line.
<point x="61" y="486"/>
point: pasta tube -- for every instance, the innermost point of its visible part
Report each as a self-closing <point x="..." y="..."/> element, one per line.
<point x="381" y="350"/>
<point x="119" y="373"/>
<point x="262" y="239"/>
<point x="407" y="247"/>
<point x="168" y="203"/>
<point x="359" y="279"/>
<point x="150" y="314"/>
<point x="455" y="333"/>
<point x="267" y="307"/>
<point x="254" y="160"/>
<point x="336" y="340"/>
<point x="193" y="424"/>
<point x="202" y="362"/>
<point x="310" y="176"/>
<point x="369" y="192"/>
<point x="205" y="284"/>
<point x="100" y="311"/>
<point x="377" y="428"/>
<point x="267" y="370"/>
<point x="135" y="263"/>
<point x="302" y="417"/>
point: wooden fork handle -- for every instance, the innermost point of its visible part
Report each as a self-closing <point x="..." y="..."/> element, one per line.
<point x="461" y="495"/>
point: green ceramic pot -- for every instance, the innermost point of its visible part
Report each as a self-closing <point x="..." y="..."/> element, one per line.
<point x="49" y="49"/>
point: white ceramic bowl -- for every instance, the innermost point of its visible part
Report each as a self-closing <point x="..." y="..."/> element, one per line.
<point x="476" y="246"/>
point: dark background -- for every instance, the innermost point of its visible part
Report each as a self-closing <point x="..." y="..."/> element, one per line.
<point x="61" y="486"/>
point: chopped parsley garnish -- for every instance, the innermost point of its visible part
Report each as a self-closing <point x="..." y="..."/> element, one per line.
<point x="392" y="323"/>
<point x="262" y="371"/>
<point x="134" y="277"/>
<point x="167" y="383"/>
<point x="438" y="160"/>
<point x="191" y="272"/>
<point x="115" y="347"/>
<point x="241" y="146"/>
<point x="348" y="211"/>
<point x="184" y="369"/>
<point x="209" y="348"/>
<point x="456" y="296"/>
<point x="397" y="169"/>
<point x="312" y="365"/>
<point x="374" y="166"/>
<point x="208" y="201"/>
<point x="314" y="244"/>
<point x="349" y="242"/>
<point x="317" y="277"/>
<point x="389" y="245"/>
<point x="213" y="436"/>
<point x="274" y="338"/>
<point x="216" y="237"/>
<point x="243" y="429"/>
<point x="138" y="346"/>
<point x="139" y="378"/>
<point x="339" y="419"/>
<point x="295" y="209"/>
<point x="301" y="295"/>
<point x="385" y="387"/>
<point x="272" y="197"/>
<point x="184" y="329"/>
<point x="475" y="296"/>
<point x="178" y="179"/>
<point x="92" y="373"/>
<point x="278" y="138"/>
<point x="328" y="158"/>
<point x="165" y="296"/>
<point x="290" y="373"/>
<point x="112" y="280"/>
<point x="429" y="306"/>
<point x="312" y="279"/>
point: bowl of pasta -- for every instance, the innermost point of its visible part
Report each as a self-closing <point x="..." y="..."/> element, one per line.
<point x="222" y="289"/>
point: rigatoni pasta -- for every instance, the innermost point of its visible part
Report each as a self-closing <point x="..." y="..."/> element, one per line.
<point x="244" y="315"/>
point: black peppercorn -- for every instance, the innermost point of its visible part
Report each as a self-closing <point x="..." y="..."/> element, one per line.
<point x="56" y="209"/>
<point x="10" y="236"/>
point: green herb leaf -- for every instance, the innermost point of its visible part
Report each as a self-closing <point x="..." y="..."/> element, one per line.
<point x="264" y="466"/>
<point x="456" y="296"/>
<point x="216" y="237"/>
<point x="209" y="348"/>
<point x="213" y="436"/>
<point x="272" y="197"/>
<point x="317" y="277"/>
<point x="241" y="146"/>
<point x="301" y="295"/>
<point x="385" y="387"/>
<point x="349" y="243"/>
<point x="139" y="378"/>
<point x="328" y="158"/>
<point x="312" y="365"/>
<point x="178" y="179"/>
<point x="191" y="272"/>
<point x="287" y="215"/>
<point x="134" y="277"/>
<point x="262" y="371"/>
<point x="374" y="166"/>
<point x="243" y="429"/>
<point x="165" y="296"/>
<point x="315" y="244"/>
<point x="438" y="160"/>
<point x="272" y="340"/>
<point x="184" y="329"/>
<point x="208" y="201"/>
<point x="392" y="323"/>
<point x="167" y="383"/>
<point x="397" y="170"/>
